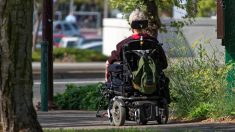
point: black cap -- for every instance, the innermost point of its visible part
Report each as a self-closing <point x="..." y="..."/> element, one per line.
<point x="139" y="24"/>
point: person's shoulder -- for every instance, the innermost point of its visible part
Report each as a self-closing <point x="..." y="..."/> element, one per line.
<point x="125" y="40"/>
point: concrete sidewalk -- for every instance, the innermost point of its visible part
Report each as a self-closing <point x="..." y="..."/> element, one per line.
<point x="70" y="119"/>
<point x="75" y="119"/>
<point x="78" y="120"/>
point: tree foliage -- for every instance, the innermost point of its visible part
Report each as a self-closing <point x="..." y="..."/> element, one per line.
<point x="77" y="3"/>
<point x="130" y="5"/>
<point x="206" y="8"/>
<point x="152" y="7"/>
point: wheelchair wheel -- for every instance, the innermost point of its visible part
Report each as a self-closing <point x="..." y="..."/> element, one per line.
<point x="163" y="114"/>
<point x="111" y="123"/>
<point x="118" y="113"/>
<point x="111" y="119"/>
<point x="140" y="119"/>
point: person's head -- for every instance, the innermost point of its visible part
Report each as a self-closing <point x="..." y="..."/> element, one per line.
<point x="137" y="16"/>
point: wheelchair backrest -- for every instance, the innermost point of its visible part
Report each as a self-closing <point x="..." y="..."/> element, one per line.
<point x="133" y="49"/>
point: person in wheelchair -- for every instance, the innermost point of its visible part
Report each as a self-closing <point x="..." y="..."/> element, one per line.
<point x="136" y="88"/>
<point x="139" y="23"/>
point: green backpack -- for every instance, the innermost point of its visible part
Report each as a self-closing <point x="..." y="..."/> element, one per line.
<point x="145" y="78"/>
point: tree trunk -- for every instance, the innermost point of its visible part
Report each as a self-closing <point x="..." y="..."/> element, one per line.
<point x="16" y="107"/>
<point x="154" y="20"/>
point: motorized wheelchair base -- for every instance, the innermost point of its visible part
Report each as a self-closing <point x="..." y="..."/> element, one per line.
<point x="140" y="109"/>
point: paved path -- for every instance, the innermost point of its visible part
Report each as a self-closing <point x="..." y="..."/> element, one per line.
<point x="70" y="119"/>
<point x="87" y="120"/>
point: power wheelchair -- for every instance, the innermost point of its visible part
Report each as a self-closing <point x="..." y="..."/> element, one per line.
<point x="127" y="103"/>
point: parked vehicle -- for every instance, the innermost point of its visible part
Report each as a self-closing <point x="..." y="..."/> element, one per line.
<point x="69" y="42"/>
<point x="85" y="41"/>
<point x="63" y="28"/>
<point x="56" y="40"/>
<point x="97" y="46"/>
<point x="66" y="28"/>
<point x="90" y="40"/>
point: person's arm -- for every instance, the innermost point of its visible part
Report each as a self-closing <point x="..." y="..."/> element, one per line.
<point x="115" y="56"/>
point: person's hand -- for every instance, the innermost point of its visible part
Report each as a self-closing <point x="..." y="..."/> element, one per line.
<point x="106" y="71"/>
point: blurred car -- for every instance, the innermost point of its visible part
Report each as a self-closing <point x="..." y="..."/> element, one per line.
<point x="63" y="42"/>
<point x="97" y="46"/>
<point x="66" y="28"/>
<point x="63" y="28"/>
<point x="87" y="41"/>
<point x="56" y="40"/>
<point x="69" y="42"/>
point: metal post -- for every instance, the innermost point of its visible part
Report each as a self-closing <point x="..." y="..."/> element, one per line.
<point x="47" y="37"/>
<point x="229" y="40"/>
<point x="44" y="78"/>
<point x="220" y="19"/>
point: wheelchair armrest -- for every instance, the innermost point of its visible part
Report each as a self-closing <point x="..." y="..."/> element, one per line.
<point x="115" y="68"/>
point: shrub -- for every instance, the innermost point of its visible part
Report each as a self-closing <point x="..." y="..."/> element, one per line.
<point x="36" y="56"/>
<point x="73" y="55"/>
<point x="79" y="98"/>
<point x="198" y="86"/>
<point x="200" y="111"/>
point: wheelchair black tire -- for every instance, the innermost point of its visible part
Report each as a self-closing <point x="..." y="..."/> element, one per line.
<point x="118" y="113"/>
<point x="140" y="120"/>
<point x="163" y="119"/>
<point x="111" y="123"/>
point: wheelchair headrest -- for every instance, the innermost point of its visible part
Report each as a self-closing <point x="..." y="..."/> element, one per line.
<point x="135" y="45"/>
<point x="138" y="40"/>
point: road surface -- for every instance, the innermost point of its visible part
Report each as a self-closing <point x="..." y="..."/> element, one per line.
<point x="73" y="70"/>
